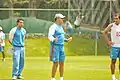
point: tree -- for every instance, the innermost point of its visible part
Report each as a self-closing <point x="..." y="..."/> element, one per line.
<point x="32" y="4"/>
<point x="14" y="4"/>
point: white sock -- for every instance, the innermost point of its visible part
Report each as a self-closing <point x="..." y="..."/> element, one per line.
<point x="61" y="78"/>
<point x="53" y="79"/>
<point x="113" y="76"/>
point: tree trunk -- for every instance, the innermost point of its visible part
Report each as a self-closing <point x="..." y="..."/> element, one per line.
<point x="32" y="4"/>
<point x="11" y="11"/>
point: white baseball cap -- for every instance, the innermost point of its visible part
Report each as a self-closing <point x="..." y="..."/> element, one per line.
<point x="59" y="15"/>
<point x="1" y="28"/>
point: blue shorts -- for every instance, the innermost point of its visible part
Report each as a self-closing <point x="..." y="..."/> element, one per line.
<point x="1" y="48"/>
<point x="115" y="53"/>
<point x="57" y="53"/>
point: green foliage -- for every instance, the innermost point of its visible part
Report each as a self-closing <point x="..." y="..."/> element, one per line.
<point x="7" y="3"/>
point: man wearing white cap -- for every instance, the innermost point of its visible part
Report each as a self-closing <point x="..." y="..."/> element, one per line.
<point x="57" y="38"/>
<point x="2" y="43"/>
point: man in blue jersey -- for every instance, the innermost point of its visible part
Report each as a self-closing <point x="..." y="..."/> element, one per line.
<point x="56" y="37"/>
<point x="16" y="38"/>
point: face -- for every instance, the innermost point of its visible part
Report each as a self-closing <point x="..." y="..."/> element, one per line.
<point x="61" y="20"/>
<point x="64" y="19"/>
<point x="20" y="23"/>
<point x="116" y="19"/>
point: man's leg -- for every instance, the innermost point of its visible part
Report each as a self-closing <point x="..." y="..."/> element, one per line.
<point x="114" y="55"/>
<point x="3" y="54"/>
<point x="54" y="69"/>
<point x="61" y="69"/>
<point x="16" y="58"/>
<point x="55" y="60"/>
<point x="61" y="62"/>
<point x="21" y="63"/>
<point x="119" y="63"/>
<point x="113" y="61"/>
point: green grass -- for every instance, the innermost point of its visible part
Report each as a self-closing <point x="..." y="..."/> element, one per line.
<point x="79" y="46"/>
<point x="38" y="67"/>
<point x="76" y="68"/>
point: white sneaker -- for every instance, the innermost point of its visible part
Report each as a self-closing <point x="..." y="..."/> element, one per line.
<point x="14" y="77"/>
<point x="114" y="79"/>
<point x="20" y="77"/>
<point x="53" y="79"/>
<point x="61" y="78"/>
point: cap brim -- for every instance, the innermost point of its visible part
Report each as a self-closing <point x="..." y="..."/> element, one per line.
<point x="63" y="17"/>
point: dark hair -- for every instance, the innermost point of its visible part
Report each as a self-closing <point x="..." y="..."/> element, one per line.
<point x="18" y="20"/>
<point x="55" y="19"/>
<point x="117" y="14"/>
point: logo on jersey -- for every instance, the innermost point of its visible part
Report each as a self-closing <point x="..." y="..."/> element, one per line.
<point x="117" y="34"/>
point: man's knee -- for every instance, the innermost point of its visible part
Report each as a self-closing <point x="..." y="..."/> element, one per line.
<point x="55" y="64"/>
<point x="113" y="61"/>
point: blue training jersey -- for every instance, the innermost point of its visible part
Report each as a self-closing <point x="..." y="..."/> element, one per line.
<point x="18" y="38"/>
<point x="57" y="31"/>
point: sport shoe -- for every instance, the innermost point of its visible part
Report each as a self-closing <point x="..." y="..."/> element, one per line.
<point x="61" y="78"/>
<point x="14" y="77"/>
<point x="3" y="60"/>
<point x="20" y="77"/>
<point x="53" y="79"/>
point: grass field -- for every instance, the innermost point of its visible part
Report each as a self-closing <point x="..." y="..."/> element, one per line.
<point x="79" y="46"/>
<point x="76" y="68"/>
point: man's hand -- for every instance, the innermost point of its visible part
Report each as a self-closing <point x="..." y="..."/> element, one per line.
<point x="9" y="42"/>
<point x="110" y="43"/>
<point x="70" y="39"/>
<point x="56" y="39"/>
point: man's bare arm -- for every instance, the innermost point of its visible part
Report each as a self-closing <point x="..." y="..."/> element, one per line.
<point x="105" y="34"/>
